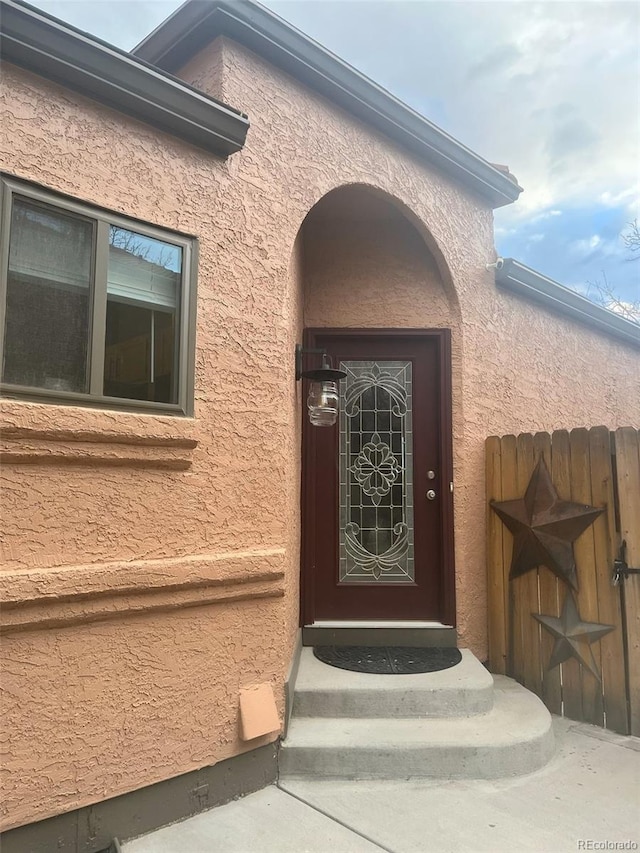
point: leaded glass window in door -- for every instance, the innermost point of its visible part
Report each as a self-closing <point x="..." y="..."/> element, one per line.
<point x="376" y="473"/>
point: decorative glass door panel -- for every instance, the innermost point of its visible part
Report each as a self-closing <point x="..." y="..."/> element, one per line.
<point x="376" y="473"/>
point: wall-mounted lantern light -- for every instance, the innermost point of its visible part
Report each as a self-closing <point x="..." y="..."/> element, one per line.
<point x="322" y="401"/>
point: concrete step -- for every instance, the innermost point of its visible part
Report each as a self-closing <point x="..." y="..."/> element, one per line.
<point x="512" y="739"/>
<point x="325" y="691"/>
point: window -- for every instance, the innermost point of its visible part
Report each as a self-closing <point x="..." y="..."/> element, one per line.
<point x="97" y="308"/>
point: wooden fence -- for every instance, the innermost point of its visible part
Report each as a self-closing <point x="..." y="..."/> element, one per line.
<point x="602" y="469"/>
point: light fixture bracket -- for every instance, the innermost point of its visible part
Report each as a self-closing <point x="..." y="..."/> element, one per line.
<point x="326" y="373"/>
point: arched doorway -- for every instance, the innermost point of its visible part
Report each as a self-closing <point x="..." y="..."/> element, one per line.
<point x="377" y="539"/>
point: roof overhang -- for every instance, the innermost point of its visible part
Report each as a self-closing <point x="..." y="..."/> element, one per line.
<point x="197" y="22"/>
<point x="526" y="282"/>
<point x="42" y="44"/>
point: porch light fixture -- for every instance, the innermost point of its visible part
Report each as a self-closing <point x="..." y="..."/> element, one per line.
<point x="323" y="398"/>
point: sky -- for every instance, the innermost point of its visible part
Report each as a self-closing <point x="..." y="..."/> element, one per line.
<point x="551" y="89"/>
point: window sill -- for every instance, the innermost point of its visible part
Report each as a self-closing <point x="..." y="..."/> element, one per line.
<point x="58" y="434"/>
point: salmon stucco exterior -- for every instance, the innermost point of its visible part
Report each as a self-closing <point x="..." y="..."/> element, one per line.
<point x="151" y="558"/>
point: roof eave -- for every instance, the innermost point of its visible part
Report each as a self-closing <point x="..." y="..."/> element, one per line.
<point x="197" y="22"/>
<point x="526" y="282"/>
<point x="42" y="44"/>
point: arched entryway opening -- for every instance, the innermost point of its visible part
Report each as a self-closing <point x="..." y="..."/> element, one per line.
<point x="377" y="521"/>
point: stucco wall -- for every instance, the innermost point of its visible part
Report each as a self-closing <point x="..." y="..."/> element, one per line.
<point x="151" y="563"/>
<point x="119" y="673"/>
<point x="366" y="265"/>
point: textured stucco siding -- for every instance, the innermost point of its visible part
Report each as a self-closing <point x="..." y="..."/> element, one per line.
<point x="118" y="674"/>
<point x="151" y="564"/>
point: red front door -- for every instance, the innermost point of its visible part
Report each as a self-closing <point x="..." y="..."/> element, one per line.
<point x="377" y="542"/>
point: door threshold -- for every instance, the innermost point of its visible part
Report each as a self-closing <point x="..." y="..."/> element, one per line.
<point x="416" y="634"/>
<point x="377" y="623"/>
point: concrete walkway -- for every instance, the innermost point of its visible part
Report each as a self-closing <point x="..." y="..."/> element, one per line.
<point x="586" y="798"/>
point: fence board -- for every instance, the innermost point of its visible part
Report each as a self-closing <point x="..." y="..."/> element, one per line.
<point x="561" y="476"/>
<point x="497" y="579"/>
<point x="527" y="600"/>
<point x="509" y="484"/>
<point x="548" y="599"/>
<point x="628" y="481"/>
<point x="587" y="598"/>
<point x="609" y="611"/>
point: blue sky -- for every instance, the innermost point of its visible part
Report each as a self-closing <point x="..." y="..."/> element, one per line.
<point x="550" y="88"/>
<point x="575" y="245"/>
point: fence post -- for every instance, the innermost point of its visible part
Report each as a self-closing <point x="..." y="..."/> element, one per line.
<point x="497" y="580"/>
<point x="627" y="448"/>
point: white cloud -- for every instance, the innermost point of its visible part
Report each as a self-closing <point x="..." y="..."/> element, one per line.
<point x="546" y="214"/>
<point x="535" y="238"/>
<point x="596" y="245"/>
<point x="629" y="198"/>
<point x="581" y="247"/>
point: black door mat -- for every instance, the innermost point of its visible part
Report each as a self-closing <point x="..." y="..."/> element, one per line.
<point x="388" y="660"/>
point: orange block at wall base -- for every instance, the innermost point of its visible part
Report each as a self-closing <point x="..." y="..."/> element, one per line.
<point x="258" y="712"/>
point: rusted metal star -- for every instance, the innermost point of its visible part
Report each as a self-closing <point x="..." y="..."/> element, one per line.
<point x="544" y="527"/>
<point x="573" y="636"/>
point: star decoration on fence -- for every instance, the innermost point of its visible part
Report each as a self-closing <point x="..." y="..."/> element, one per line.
<point x="544" y="527"/>
<point x="573" y="636"/>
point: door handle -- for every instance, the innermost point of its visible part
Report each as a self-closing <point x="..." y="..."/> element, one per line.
<point x="431" y="495"/>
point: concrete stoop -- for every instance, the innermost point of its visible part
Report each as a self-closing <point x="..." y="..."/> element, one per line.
<point x="458" y="723"/>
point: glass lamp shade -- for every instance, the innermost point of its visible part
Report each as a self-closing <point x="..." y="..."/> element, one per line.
<point x="323" y="403"/>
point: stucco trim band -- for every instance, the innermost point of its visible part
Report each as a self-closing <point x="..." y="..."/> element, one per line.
<point x="57" y="421"/>
<point x="59" y="595"/>
<point x="526" y="282"/>
<point x="59" y="52"/>
<point x="195" y="24"/>
<point x="56" y="449"/>
<point x="75" y="437"/>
